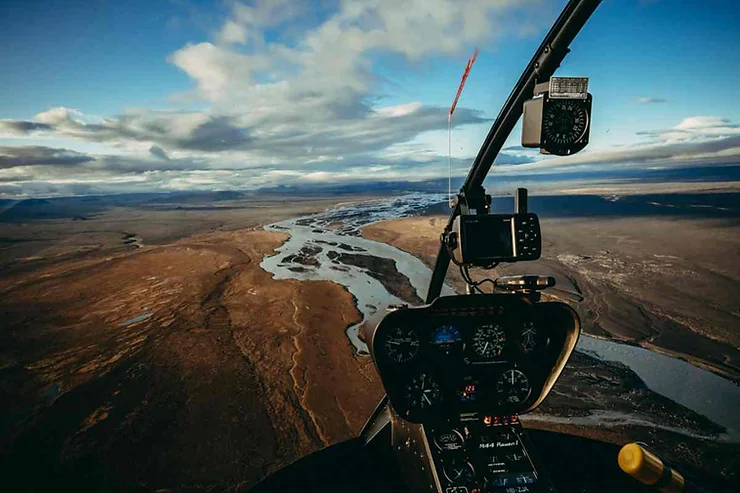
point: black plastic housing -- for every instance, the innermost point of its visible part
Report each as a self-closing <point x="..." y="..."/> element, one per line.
<point x="557" y="325"/>
<point x="533" y="134"/>
<point x="485" y="239"/>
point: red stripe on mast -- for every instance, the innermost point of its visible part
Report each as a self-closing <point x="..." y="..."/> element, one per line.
<point x="464" y="78"/>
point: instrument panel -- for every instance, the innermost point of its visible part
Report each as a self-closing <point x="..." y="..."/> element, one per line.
<point x="492" y="354"/>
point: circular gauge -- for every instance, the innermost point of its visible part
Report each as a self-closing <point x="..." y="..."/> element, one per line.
<point x="401" y="344"/>
<point x="449" y="441"/>
<point x="422" y="392"/>
<point x="459" y="471"/>
<point x="564" y="121"/>
<point x="488" y="341"/>
<point x="446" y="338"/>
<point x="513" y="386"/>
<point x="529" y="336"/>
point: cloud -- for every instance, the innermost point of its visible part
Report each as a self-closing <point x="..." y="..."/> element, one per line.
<point x="11" y="157"/>
<point x="286" y="95"/>
<point x="694" y="140"/>
<point x="649" y="100"/>
<point x="510" y="159"/>
<point x="302" y="137"/>
<point x="186" y="130"/>
<point x="60" y="114"/>
<point x="284" y="87"/>
<point x="714" y="123"/>
<point x="248" y="22"/>
<point x="231" y="32"/>
<point x="157" y="151"/>
<point x="693" y="128"/>
<point x="23" y="127"/>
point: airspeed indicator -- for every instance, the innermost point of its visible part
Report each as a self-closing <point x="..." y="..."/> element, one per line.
<point x="401" y="344"/>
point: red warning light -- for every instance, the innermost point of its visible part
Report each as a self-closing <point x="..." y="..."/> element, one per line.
<point x="487" y="420"/>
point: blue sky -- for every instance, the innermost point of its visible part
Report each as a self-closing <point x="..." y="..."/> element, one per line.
<point x="140" y="96"/>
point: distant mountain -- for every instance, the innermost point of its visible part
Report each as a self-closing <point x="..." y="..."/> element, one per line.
<point x="198" y="197"/>
<point x="362" y="188"/>
<point x="81" y="207"/>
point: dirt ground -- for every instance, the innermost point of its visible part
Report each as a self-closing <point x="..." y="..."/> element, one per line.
<point x="178" y="366"/>
<point x="148" y="350"/>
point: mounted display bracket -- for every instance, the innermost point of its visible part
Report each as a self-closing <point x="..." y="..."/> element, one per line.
<point x="478" y="238"/>
<point x="558" y="119"/>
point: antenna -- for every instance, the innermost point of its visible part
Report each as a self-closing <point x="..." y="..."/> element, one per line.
<point x="449" y="159"/>
<point x="468" y="66"/>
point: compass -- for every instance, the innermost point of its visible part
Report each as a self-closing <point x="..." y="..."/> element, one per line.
<point x="564" y="122"/>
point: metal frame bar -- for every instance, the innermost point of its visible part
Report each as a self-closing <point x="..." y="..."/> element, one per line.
<point x="545" y="61"/>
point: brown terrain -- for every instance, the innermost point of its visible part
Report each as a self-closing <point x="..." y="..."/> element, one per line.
<point x="148" y="349"/>
<point x="180" y="365"/>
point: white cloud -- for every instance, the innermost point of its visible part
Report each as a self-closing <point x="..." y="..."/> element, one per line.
<point x="399" y="110"/>
<point x="715" y="124"/>
<point x="59" y="114"/>
<point x="231" y="32"/>
<point x="14" y="157"/>
<point x="649" y="100"/>
<point x="247" y="22"/>
<point x="694" y="140"/>
<point x="220" y="73"/>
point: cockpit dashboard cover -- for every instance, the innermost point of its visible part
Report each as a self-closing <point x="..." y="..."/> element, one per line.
<point x="471" y="355"/>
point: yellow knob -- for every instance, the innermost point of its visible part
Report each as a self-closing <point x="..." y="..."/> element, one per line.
<point x="647" y="468"/>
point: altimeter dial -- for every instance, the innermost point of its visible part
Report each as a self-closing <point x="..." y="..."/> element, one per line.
<point x="488" y="341"/>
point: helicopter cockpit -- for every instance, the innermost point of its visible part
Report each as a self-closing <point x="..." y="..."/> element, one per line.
<point x="460" y="371"/>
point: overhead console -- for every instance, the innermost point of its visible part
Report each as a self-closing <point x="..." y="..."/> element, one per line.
<point x="458" y="372"/>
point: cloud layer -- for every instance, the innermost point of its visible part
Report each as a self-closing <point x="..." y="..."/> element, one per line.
<point x="694" y="140"/>
<point x="285" y="95"/>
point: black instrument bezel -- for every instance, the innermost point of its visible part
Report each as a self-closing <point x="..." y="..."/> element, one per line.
<point x="557" y="326"/>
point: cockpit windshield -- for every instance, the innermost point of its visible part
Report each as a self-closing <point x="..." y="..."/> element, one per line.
<point x="205" y="208"/>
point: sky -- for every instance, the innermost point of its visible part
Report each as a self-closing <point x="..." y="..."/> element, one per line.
<point x="141" y="96"/>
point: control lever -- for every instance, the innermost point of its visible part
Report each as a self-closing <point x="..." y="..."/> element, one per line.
<point x="636" y="460"/>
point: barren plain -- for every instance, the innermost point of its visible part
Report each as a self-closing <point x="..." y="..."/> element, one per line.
<point x="175" y="362"/>
<point x="145" y="347"/>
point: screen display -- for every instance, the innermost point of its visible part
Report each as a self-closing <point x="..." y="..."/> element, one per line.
<point x="488" y="237"/>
